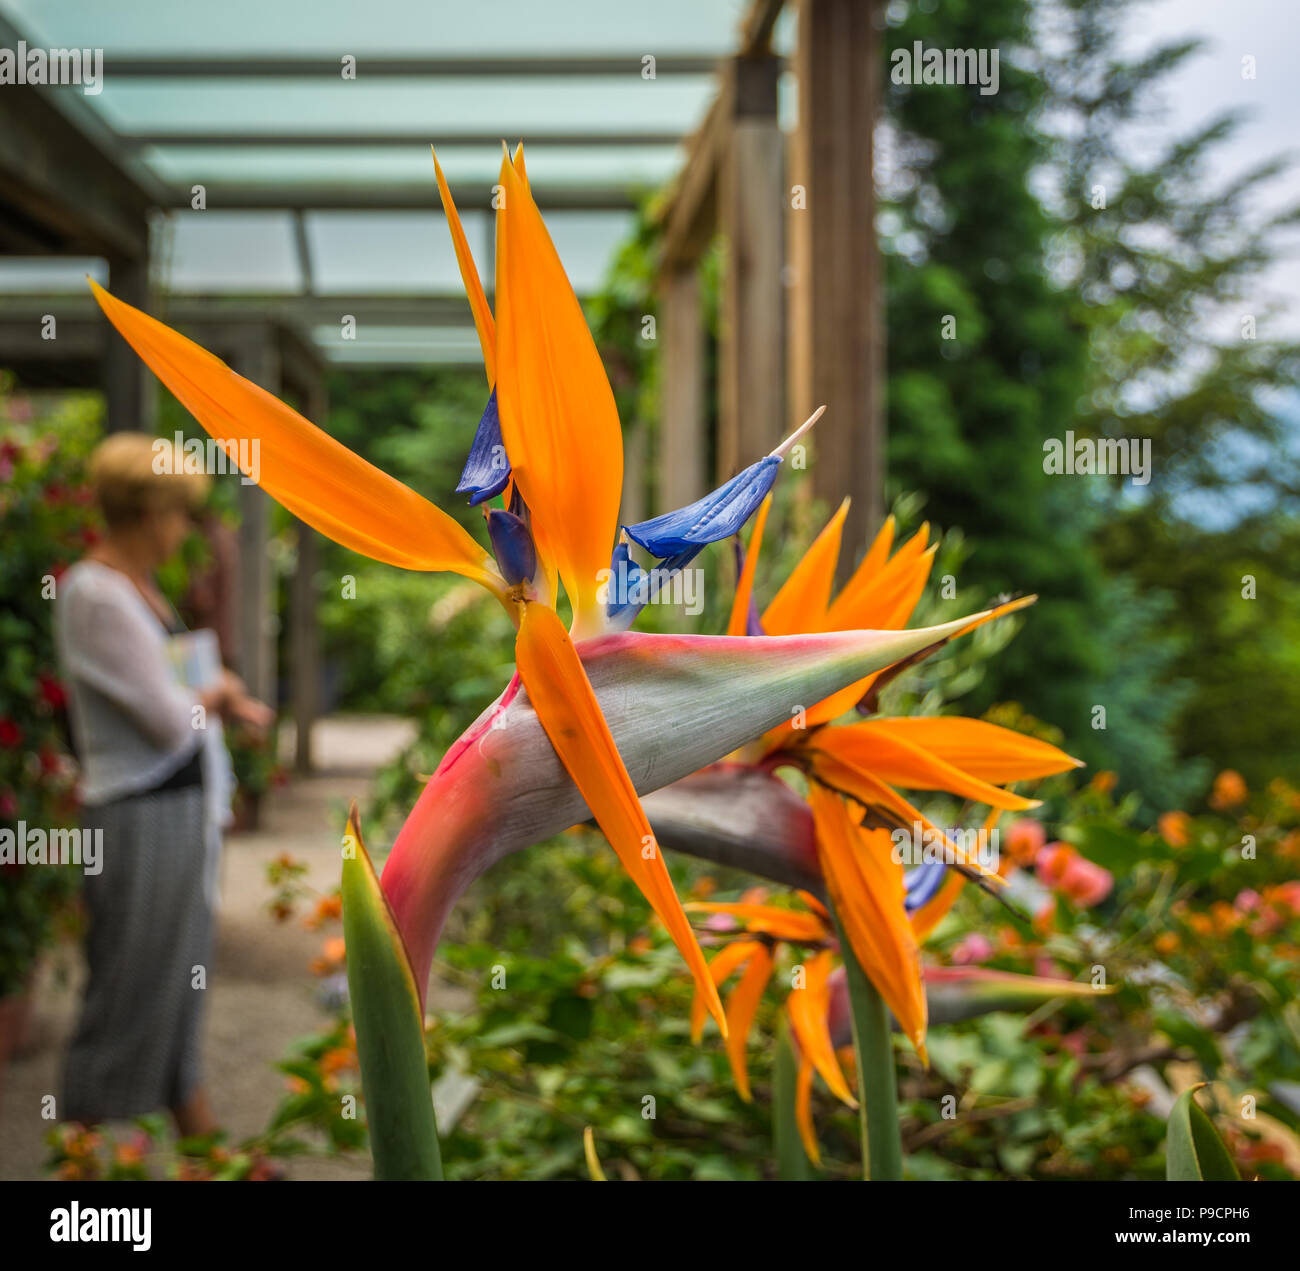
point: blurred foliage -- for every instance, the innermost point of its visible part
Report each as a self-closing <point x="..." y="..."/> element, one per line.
<point x="964" y="237"/>
<point x="580" y="1016"/>
<point x="45" y="523"/>
<point x="1162" y="278"/>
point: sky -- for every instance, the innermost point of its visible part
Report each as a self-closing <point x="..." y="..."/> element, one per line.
<point x="1211" y="81"/>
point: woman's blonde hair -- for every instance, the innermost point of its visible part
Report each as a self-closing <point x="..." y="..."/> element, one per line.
<point x="134" y="474"/>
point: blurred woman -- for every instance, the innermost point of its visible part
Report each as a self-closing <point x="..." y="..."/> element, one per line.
<point x="140" y="736"/>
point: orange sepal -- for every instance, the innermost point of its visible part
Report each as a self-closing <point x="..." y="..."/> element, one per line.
<point x="781" y="924"/>
<point x="803" y="1110"/>
<point x="721" y="965"/>
<point x="800" y="605"/>
<point x="876" y="746"/>
<point x="742" y="1006"/>
<point x="315" y="477"/>
<point x="738" y="622"/>
<point x="866" y="888"/>
<point x="566" y="706"/>
<point x="559" y="421"/>
<point x="484" y="323"/>
<point x="988" y="752"/>
<point x="808" y="1010"/>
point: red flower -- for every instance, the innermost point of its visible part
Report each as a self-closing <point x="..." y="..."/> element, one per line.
<point x="1066" y="871"/>
<point x="10" y="734"/>
<point x="51" y="691"/>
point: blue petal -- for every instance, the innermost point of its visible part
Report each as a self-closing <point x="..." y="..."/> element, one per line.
<point x="487" y="469"/>
<point x="714" y="517"/>
<point x="624" y="578"/>
<point x="512" y="545"/>
<point x="922" y="884"/>
<point x="631" y="588"/>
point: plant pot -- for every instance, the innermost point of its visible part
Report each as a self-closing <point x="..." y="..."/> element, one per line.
<point x="247" y="810"/>
<point x="15" y="1017"/>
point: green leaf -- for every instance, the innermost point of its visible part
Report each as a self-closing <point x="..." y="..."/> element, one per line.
<point x="792" y="1163"/>
<point x="1193" y="1150"/>
<point x="390" y="1026"/>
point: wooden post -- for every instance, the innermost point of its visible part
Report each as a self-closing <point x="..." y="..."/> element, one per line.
<point x="681" y="394"/>
<point x="837" y="342"/>
<point x="259" y="361"/>
<point x="752" y="198"/>
<point x="304" y="647"/>
<point x="304" y="642"/>
<point x="128" y="383"/>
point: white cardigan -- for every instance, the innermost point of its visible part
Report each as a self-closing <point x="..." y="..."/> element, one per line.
<point x="133" y="721"/>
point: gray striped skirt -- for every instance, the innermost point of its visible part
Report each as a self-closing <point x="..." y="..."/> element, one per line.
<point x="136" y="1048"/>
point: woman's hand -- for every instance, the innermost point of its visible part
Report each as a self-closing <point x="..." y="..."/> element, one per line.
<point x="252" y="714"/>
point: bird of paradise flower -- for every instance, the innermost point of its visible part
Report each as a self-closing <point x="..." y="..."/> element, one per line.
<point x="550" y="445"/>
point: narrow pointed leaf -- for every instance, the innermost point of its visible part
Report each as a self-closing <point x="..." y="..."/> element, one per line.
<point x="791" y="1159"/>
<point x="389" y="1022"/>
<point x="1193" y="1150"/>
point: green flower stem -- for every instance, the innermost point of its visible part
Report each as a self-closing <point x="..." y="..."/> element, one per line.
<point x="791" y="1163"/>
<point x="882" y="1146"/>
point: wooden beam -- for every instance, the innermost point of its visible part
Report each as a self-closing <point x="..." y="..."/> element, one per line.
<point x="183" y="65"/>
<point x="756" y="30"/>
<point x="751" y="205"/>
<point x="362" y="196"/>
<point x="688" y="212"/>
<point x="837" y="338"/>
<point x="682" y="473"/>
<point x="586" y="138"/>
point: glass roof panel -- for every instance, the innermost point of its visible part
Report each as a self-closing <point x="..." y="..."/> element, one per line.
<point x="425" y="108"/>
<point x="389" y="252"/>
<point x="218" y="251"/>
<point x="281" y="167"/>
<point x="244" y="98"/>
<point x="524" y="28"/>
<point x="380" y="345"/>
<point x="57" y="275"/>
